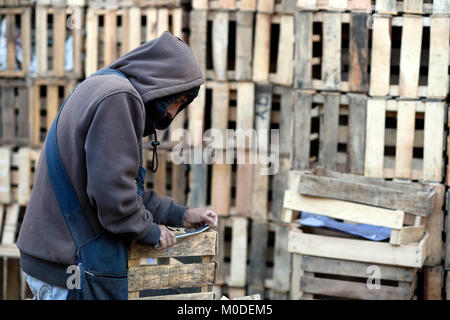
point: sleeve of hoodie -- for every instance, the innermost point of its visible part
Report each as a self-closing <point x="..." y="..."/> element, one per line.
<point x="112" y="161"/>
<point x="165" y="210"/>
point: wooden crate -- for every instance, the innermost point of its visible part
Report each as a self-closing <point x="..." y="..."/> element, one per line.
<point x="165" y="269"/>
<point x="335" y="5"/>
<point x="223" y="43"/>
<point x="405" y="139"/>
<point x="267" y="6"/>
<point x="17" y="20"/>
<point x="412" y="6"/>
<point x="53" y="31"/>
<point x="332" y="51"/>
<point x="18" y="168"/>
<point x="410" y="56"/>
<point x="324" y="278"/>
<point x="47" y="96"/>
<point x="375" y="202"/>
<point x="330" y="131"/>
<point x="169" y="180"/>
<point x="14" y="104"/>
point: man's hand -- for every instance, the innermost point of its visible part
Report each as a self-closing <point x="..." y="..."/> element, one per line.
<point x="196" y="217"/>
<point x="166" y="239"/>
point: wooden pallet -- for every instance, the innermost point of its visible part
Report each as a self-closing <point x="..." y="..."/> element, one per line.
<point x="331" y="51"/>
<point x="405" y="139"/>
<point x="335" y="5"/>
<point x="227" y="40"/>
<point x="412" y="70"/>
<point x="52" y="33"/>
<point x="412" y="6"/>
<point x="107" y="38"/>
<point x="14" y="104"/>
<point x="330" y="131"/>
<point x="17" y="167"/>
<point x="324" y="278"/>
<point x="409" y="243"/>
<point x="16" y="17"/>
<point x="150" y="269"/>
<point x="267" y="6"/>
<point x="47" y="96"/>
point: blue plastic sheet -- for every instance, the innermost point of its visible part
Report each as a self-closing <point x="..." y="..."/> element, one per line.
<point x="368" y="231"/>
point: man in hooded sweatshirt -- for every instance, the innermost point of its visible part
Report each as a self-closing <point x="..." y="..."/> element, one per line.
<point x="99" y="137"/>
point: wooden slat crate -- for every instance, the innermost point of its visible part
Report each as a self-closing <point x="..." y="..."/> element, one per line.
<point x="18" y="30"/>
<point x="330" y="131"/>
<point x="375" y="202"/>
<point x="52" y="35"/>
<point x="267" y="6"/>
<point x="410" y="56"/>
<point x="405" y="139"/>
<point x="332" y="51"/>
<point x="335" y="5"/>
<point x="14" y="104"/>
<point x="47" y="96"/>
<point x="223" y="43"/>
<point x="113" y="32"/>
<point x="170" y="178"/>
<point x="324" y="278"/>
<point x="17" y="174"/>
<point x="150" y="269"/>
<point x="412" y="6"/>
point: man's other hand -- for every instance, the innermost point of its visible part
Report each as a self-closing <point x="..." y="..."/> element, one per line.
<point x="196" y="217"/>
<point x="166" y="239"/>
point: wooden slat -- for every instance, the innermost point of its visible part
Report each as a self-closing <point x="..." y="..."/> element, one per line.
<point x="258" y="253"/>
<point x="220" y="44"/>
<point x="358" y="53"/>
<point x="244" y="45"/>
<point x="186" y="296"/>
<point x="434" y="226"/>
<point x="438" y="78"/>
<point x="261" y="54"/>
<point x="285" y="60"/>
<point x="381" y="56"/>
<point x="59" y="40"/>
<point x="329" y="131"/>
<point x="5" y="175"/>
<point x="375" y="138"/>
<point x="170" y="276"/>
<point x="302" y="130"/>
<point x="331" y="63"/>
<point x="303" y="50"/>
<point x="199" y="245"/>
<point x="405" y="138"/>
<point x="135" y="28"/>
<point x="356" y="141"/>
<point x="410" y="56"/>
<point x="433" y="283"/>
<point x="282" y="263"/>
<point x="91" y="42"/>
<point x="433" y="141"/>
<point x="358" y="250"/>
<point x="344" y="210"/>
<point x="238" y="274"/>
<point x="110" y="37"/>
<point x="10" y="226"/>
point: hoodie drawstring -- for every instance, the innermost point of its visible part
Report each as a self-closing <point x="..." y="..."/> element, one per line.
<point x="154" y="144"/>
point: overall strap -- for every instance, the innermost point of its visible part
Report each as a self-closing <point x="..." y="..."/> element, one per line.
<point x="68" y="201"/>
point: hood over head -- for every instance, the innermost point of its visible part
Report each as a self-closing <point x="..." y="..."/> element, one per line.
<point x="160" y="67"/>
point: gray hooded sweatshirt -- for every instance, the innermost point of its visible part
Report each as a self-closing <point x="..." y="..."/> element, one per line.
<point x="99" y="136"/>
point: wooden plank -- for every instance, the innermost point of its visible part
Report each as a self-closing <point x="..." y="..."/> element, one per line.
<point x="110" y="37"/>
<point x="279" y="184"/>
<point x="261" y="54"/>
<point x="221" y="188"/>
<point x="238" y="274"/>
<point x="352" y="290"/>
<point x="381" y="56"/>
<point x="356" y="133"/>
<point x="91" y="42"/>
<point x="388" y="195"/>
<point x="435" y="225"/>
<point x="170" y="276"/>
<point x="358" y="250"/>
<point x="198" y="25"/>
<point x="303" y="50"/>
<point x="258" y="255"/>
<point x="199" y="245"/>
<point x="441" y="6"/>
<point x="220" y="44"/>
<point x="59" y="40"/>
<point x="10" y="42"/>
<point x="329" y="131"/>
<point x="331" y="54"/>
<point x="358" y="53"/>
<point x="433" y="283"/>
<point x="198" y="184"/>
<point x="285" y="60"/>
<point x="302" y="130"/>
<point x="25" y="181"/>
<point x="410" y="56"/>
<point x="25" y="34"/>
<point x="135" y="28"/>
<point x="344" y="210"/>
<point x="354" y="269"/>
<point x="386" y="6"/>
<point x="8" y="115"/>
<point x="244" y="45"/>
<point x="374" y="153"/>
<point x="10" y="226"/>
<point x="405" y="138"/>
<point x="433" y="141"/>
<point x="5" y="175"/>
<point x="286" y="119"/>
<point x="41" y="42"/>
<point x="438" y="78"/>
<point x="186" y="296"/>
<point x="282" y="262"/>
<point x="407" y="235"/>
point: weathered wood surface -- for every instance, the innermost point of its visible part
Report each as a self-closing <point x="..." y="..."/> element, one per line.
<point x="433" y="283"/>
<point x="186" y="296"/>
<point x="258" y="253"/>
<point x="202" y="244"/>
<point x="170" y="276"/>
<point x="359" y="250"/>
<point x="386" y="194"/>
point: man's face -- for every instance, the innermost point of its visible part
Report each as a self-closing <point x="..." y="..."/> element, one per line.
<point x="173" y="108"/>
